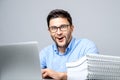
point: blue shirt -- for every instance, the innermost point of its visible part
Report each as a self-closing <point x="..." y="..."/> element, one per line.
<point x="51" y="58"/>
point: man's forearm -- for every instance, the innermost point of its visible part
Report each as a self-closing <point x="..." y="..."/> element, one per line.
<point x="63" y="76"/>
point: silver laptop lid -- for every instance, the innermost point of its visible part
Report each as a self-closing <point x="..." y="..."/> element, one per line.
<point x="20" y="61"/>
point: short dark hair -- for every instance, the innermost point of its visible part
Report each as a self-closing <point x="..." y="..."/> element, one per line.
<point x="59" y="13"/>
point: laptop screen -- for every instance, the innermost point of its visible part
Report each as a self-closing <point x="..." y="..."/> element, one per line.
<point x="20" y="61"/>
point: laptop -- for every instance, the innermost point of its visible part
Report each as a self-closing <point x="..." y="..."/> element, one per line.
<point x="20" y="61"/>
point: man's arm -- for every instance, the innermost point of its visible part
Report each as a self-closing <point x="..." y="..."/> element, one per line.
<point x="47" y="73"/>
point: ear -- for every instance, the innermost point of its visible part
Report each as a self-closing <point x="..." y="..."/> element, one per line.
<point x="72" y="28"/>
<point x="49" y="30"/>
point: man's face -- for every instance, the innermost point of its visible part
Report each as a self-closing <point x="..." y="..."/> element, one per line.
<point x="63" y="35"/>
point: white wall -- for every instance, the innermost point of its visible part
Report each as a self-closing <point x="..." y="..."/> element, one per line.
<point x="97" y="20"/>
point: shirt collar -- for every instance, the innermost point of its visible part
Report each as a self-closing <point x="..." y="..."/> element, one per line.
<point x="67" y="49"/>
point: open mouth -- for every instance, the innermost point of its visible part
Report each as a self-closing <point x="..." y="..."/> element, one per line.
<point x="61" y="39"/>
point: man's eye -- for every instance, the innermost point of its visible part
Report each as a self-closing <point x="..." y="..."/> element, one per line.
<point x="53" y="28"/>
<point x="63" y="26"/>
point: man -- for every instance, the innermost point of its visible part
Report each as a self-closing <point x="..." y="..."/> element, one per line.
<point x="66" y="48"/>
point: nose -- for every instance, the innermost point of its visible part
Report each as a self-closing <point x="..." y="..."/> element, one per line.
<point x="59" y="31"/>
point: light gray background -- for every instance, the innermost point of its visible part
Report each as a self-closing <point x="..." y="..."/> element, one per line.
<point x="97" y="20"/>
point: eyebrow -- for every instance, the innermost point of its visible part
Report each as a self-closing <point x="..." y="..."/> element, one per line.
<point x="60" y="25"/>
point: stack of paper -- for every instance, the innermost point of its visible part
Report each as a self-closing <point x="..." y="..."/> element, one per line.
<point x="94" y="67"/>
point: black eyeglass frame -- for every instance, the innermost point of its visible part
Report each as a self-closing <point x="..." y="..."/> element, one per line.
<point x="63" y="27"/>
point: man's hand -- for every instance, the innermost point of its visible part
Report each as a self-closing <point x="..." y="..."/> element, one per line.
<point x="47" y="73"/>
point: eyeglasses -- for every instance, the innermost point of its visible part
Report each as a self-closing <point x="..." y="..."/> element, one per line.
<point x="63" y="27"/>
